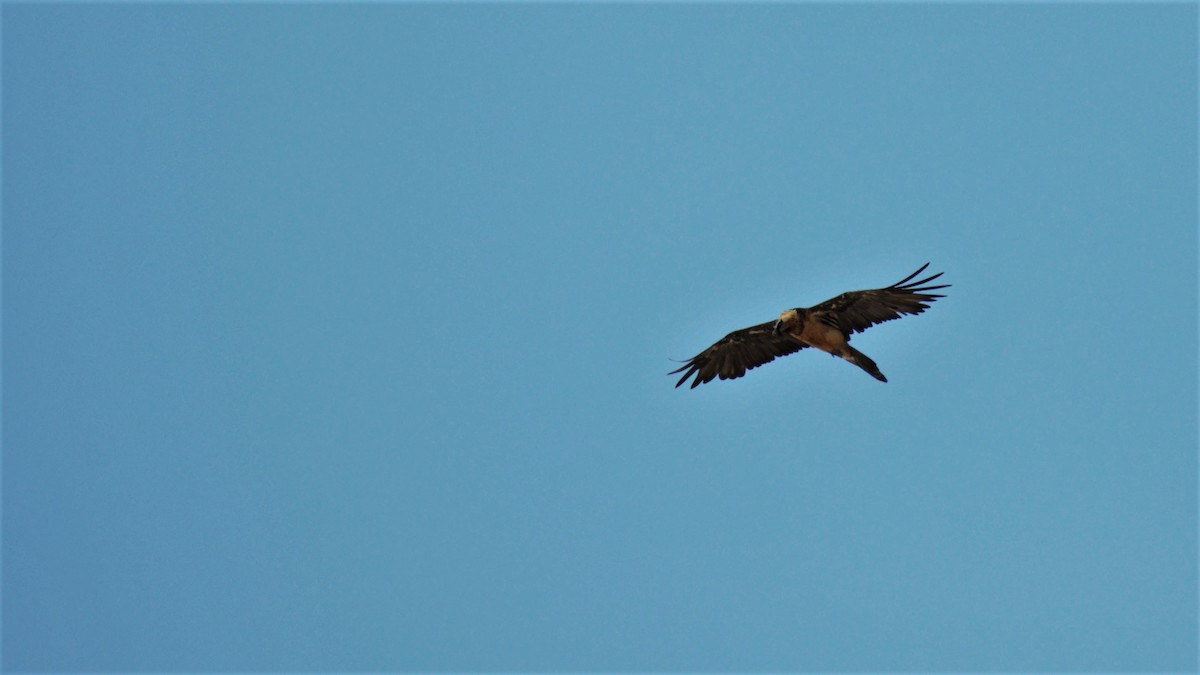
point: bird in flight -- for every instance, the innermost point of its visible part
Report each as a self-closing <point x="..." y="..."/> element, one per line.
<point x="827" y="326"/>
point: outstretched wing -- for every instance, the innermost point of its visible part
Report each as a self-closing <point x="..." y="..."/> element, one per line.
<point x="731" y="356"/>
<point x="856" y="311"/>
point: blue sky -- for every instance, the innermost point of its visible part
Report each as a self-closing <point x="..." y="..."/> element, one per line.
<point x="335" y="337"/>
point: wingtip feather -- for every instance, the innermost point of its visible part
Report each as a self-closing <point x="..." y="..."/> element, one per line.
<point x="907" y="278"/>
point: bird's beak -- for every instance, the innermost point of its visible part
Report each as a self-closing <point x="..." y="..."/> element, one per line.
<point x="778" y="327"/>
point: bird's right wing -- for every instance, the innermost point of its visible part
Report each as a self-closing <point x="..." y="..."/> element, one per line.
<point x="856" y="311"/>
<point x="731" y="356"/>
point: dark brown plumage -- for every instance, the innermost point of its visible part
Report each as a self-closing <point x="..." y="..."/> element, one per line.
<point x="827" y="326"/>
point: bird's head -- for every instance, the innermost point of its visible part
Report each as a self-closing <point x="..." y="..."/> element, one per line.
<point x="787" y="319"/>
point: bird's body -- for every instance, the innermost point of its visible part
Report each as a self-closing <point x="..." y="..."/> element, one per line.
<point x="827" y="326"/>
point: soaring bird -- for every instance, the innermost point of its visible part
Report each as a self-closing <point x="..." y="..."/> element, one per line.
<point x="827" y="326"/>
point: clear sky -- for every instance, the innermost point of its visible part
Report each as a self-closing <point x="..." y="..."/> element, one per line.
<point x="336" y="337"/>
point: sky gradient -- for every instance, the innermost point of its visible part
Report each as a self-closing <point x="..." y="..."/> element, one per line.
<point x="335" y="337"/>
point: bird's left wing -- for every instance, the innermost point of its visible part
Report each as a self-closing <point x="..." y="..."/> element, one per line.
<point x="731" y="356"/>
<point x="856" y="311"/>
